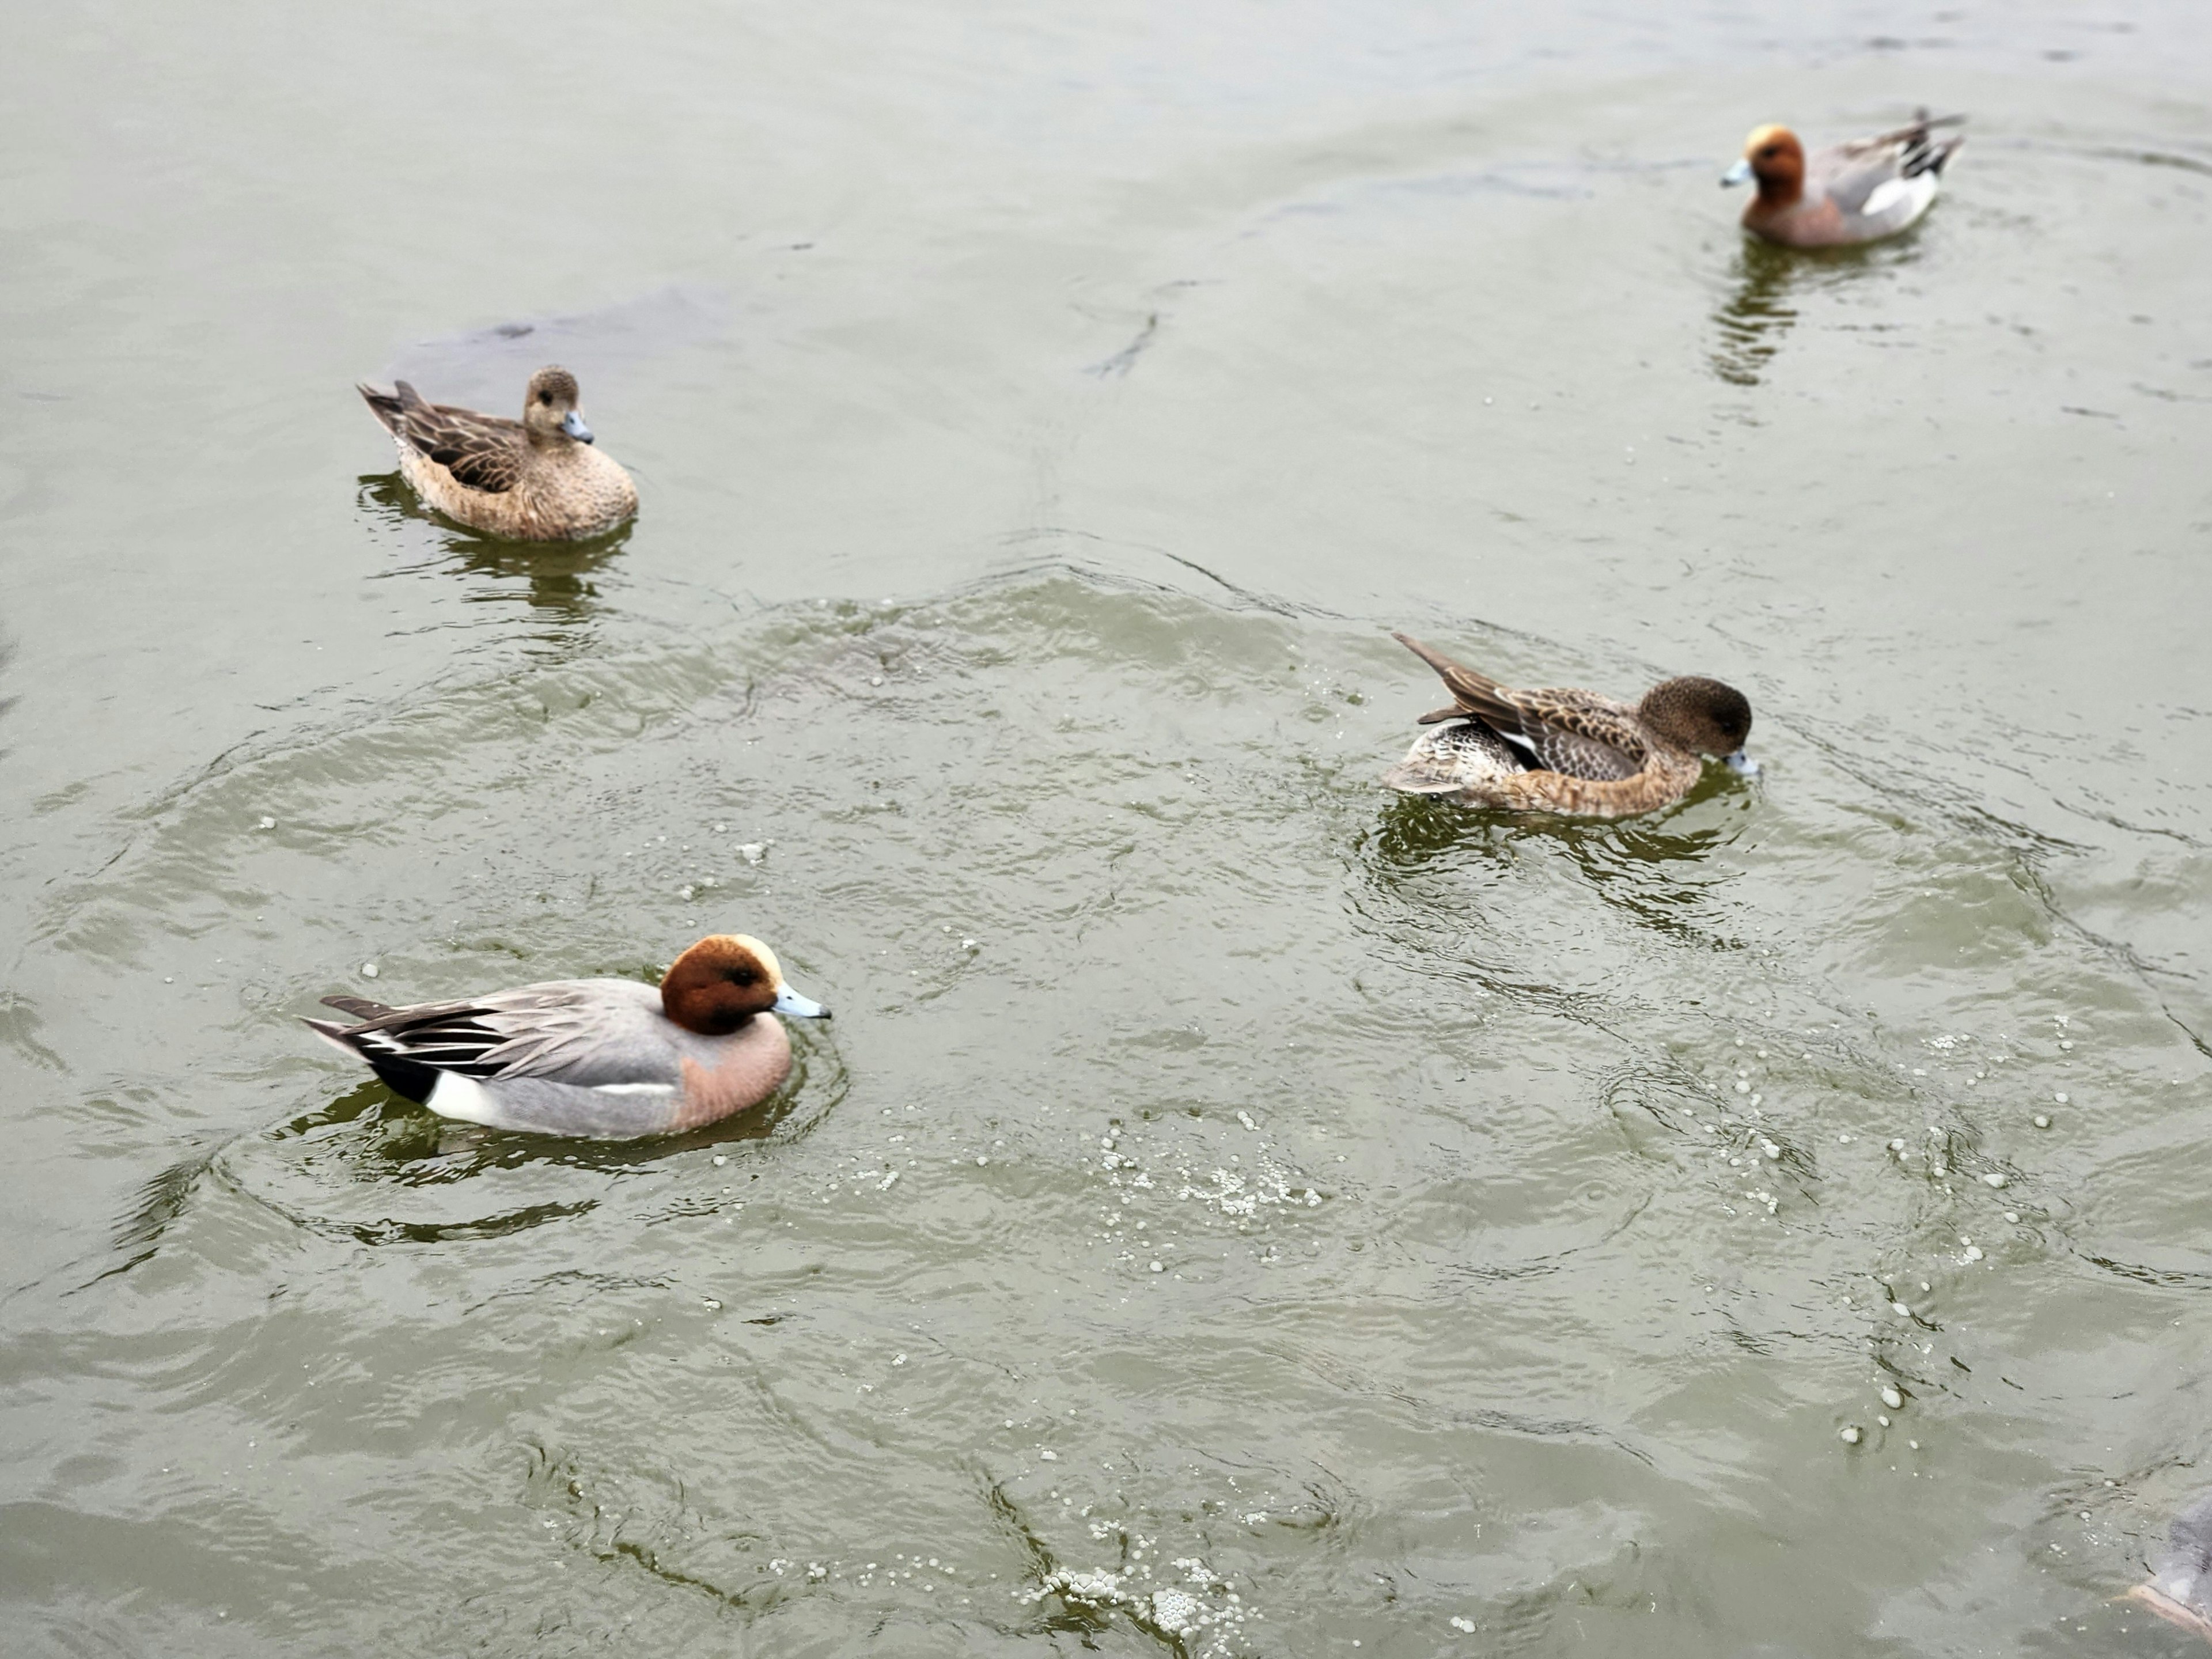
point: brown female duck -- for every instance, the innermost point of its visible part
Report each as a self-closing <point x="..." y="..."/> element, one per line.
<point x="1568" y="750"/>
<point x="539" y="479"/>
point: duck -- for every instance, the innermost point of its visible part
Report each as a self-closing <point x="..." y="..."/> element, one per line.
<point x="1858" y="192"/>
<point x="1568" y="750"/>
<point x="601" y="1058"/>
<point x="539" y="479"/>
<point x="2179" y="1588"/>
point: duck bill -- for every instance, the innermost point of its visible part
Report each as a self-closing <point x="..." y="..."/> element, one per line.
<point x="1741" y="765"/>
<point x="573" y="424"/>
<point x="788" y="1001"/>
<point x="1738" y="175"/>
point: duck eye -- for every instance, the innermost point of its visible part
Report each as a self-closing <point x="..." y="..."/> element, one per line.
<point x="545" y="397"/>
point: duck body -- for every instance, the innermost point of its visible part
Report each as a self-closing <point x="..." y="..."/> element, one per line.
<point x="539" y="479"/>
<point x="602" y="1058"/>
<point x="1568" y="750"/>
<point x="1858" y="192"/>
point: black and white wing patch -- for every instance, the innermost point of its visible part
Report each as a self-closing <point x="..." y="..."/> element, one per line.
<point x="452" y="1036"/>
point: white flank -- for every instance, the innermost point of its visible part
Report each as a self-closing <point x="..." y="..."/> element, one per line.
<point x="1912" y="195"/>
<point x="661" y="1089"/>
<point x="458" y="1095"/>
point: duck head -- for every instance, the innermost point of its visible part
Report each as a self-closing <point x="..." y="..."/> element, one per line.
<point x="724" y="980"/>
<point x="1700" y="716"/>
<point x="1774" y="157"/>
<point x="549" y="407"/>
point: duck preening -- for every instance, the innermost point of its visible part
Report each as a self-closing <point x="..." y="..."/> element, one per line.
<point x="1570" y="751"/>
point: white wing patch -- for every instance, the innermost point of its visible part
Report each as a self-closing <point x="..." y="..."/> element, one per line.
<point x="1907" y="198"/>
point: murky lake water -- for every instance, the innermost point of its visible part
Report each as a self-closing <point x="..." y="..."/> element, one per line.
<point x="1229" y="1198"/>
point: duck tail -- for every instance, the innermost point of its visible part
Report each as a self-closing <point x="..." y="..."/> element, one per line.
<point x="410" y="1077"/>
<point x="332" y="1033"/>
<point x="359" y="1007"/>
<point x="387" y="406"/>
<point x="1472" y="694"/>
<point x="1923" y="154"/>
<point x="1437" y="659"/>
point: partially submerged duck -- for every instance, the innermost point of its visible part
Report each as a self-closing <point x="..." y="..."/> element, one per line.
<point x="1858" y="192"/>
<point x="609" y="1059"/>
<point x="539" y="479"/>
<point x="2179" y="1588"/>
<point x="1568" y="750"/>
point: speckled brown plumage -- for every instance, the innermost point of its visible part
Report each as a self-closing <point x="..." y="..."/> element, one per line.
<point x="1564" y="750"/>
<point x="533" y="480"/>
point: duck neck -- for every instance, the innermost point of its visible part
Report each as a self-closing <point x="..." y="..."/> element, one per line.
<point x="707" y="1010"/>
<point x="1780" y="190"/>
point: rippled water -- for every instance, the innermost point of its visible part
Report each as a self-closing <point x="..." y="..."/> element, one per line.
<point x="1235" y="1210"/>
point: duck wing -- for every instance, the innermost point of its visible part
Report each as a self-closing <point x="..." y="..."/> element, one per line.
<point x="583" y="1031"/>
<point x="483" y="452"/>
<point x="1577" y="732"/>
<point x="1580" y="734"/>
<point x="1853" y="174"/>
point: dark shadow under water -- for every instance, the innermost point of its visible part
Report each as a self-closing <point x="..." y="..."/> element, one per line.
<point x="488" y="367"/>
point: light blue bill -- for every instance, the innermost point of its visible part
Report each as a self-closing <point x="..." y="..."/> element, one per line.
<point x="788" y="1001"/>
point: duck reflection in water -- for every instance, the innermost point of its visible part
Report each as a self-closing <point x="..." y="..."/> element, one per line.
<point x="556" y="579"/>
<point x="1769" y="282"/>
<point x="1414" y="832"/>
<point x="1758" y="315"/>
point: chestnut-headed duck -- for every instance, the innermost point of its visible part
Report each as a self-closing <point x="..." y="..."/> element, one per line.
<point x="1568" y="750"/>
<point x="1858" y="192"/>
<point x="539" y="479"/>
<point x="611" y="1058"/>
<point x="2179" y="1588"/>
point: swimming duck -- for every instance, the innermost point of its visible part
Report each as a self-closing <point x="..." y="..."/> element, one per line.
<point x="1568" y="750"/>
<point x="607" y="1058"/>
<point x="535" y="480"/>
<point x="2179" y="1589"/>
<point x="1858" y="192"/>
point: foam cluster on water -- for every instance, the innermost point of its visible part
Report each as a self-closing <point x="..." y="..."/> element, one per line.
<point x="1201" y="1611"/>
<point x="1243" y="1194"/>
